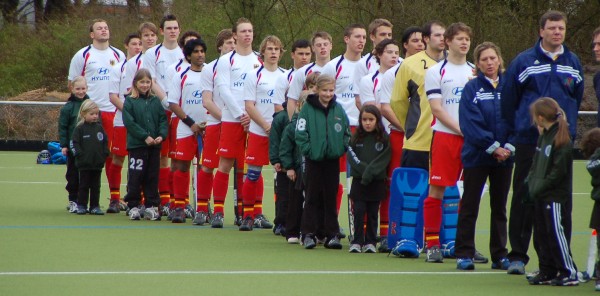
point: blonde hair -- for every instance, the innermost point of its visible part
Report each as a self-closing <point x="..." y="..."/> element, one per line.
<point x="275" y="41"/>
<point x="301" y="100"/>
<point x="139" y="75"/>
<point x="78" y="79"/>
<point x="485" y="46"/>
<point x="87" y="107"/>
<point x="311" y="80"/>
<point x="323" y="80"/>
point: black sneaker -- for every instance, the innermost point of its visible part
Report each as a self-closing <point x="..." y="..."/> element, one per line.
<point x="237" y="221"/>
<point x="333" y="243"/>
<point x="383" y="245"/>
<point x="247" y="224"/>
<point x="178" y="216"/>
<point x="479" y="258"/>
<point x="309" y="242"/>
<point x="260" y="221"/>
<point x="341" y="233"/>
<point x="217" y="221"/>
<point x="564" y="280"/>
<point x="541" y="279"/>
<point x="114" y="207"/>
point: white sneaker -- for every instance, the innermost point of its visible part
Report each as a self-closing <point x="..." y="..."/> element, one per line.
<point x="72" y="207"/>
<point x="293" y="240"/>
<point x="152" y="214"/>
<point x="354" y="248"/>
<point x="134" y="214"/>
<point x="369" y="248"/>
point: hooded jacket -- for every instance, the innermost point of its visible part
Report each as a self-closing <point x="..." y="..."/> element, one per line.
<point x="144" y="117"/>
<point x="68" y="119"/>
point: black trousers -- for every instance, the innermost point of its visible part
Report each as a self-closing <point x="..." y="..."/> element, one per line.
<point x="552" y="247"/>
<point x="322" y="179"/>
<point x="72" y="176"/>
<point x="371" y="209"/>
<point x="295" y="208"/>
<point x="474" y="181"/>
<point x="282" y="193"/>
<point x="89" y="186"/>
<point x="142" y="175"/>
<point x="415" y="159"/>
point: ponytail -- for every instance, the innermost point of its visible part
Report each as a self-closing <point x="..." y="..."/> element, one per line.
<point x="549" y="109"/>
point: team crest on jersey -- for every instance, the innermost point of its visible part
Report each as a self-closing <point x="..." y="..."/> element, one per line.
<point x="256" y="66"/>
<point x="113" y="62"/>
<point x="569" y="82"/>
<point x="378" y="146"/>
<point x="547" y="150"/>
<point x="100" y="136"/>
<point x="337" y="127"/>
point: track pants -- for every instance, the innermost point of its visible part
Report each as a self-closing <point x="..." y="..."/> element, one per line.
<point x="282" y="193"/>
<point x="144" y="165"/>
<point x="322" y="179"/>
<point x="89" y="185"/>
<point x="72" y="176"/>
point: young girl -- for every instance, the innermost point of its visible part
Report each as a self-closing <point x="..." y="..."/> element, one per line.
<point x="66" y="124"/>
<point x="590" y="146"/>
<point x="550" y="183"/>
<point x="369" y="154"/>
<point x="146" y="123"/>
<point x="322" y="135"/>
<point x="90" y="148"/>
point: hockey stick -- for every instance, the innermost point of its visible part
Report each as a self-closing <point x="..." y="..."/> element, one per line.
<point x="350" y="212"/>
<point x="235" y="193"/>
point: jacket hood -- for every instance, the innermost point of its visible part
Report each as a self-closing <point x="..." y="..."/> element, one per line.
<point x="313" y="99"/>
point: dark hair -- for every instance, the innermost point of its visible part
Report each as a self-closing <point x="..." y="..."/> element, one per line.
<point x="596" y="32"/>
<point x="187" y="34"/>
<point x="456" y="28"/>
<point x="300" y="43"/>
<point x="222" y="36"/>
<point x="590" y="142"/>
<point x="381" y="47"/>
<point x="350" y="28"/>
<point x="552" y="15"/>
<point x="406" y="36"/>
<point x="166" y="18"/>
<point x="379" y="131"/>
<point x="427" y="27"/>
<point x="129" y="37"/>
<point x="189" y="47"/>
<point x="549" y="109"/>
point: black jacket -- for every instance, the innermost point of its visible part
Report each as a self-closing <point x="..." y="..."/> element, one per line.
<point x="89" y="146"/>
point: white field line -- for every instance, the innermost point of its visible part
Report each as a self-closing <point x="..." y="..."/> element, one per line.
<point x="243" y="272"/>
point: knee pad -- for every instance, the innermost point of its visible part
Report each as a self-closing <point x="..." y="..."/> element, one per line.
<point x="253" y="174"/>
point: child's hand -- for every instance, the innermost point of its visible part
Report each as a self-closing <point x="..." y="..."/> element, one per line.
<point x="64" y="151"/>
<point x="277" y="167"/>
<point x="291" y="174"/>
<point x="149" y="141"/>
<point x="158" y="140"/>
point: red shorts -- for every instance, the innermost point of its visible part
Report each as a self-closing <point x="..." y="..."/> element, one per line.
<point x="444" y="160"/>
<point x="232" y="142"/>
<point x="169" y="147"/>
<point x="119" y="141"/>
<point x="396" y="143"/>
<point x="343" y="160"/>
<point x="107" y="124"/>
<point x="210" y="158"/>
<point x="257" y="152"/>
<point x="187" y="148"/>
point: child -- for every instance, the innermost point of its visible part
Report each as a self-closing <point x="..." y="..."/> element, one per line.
<point x="66" y="124"/>
<point x="146" y="123"/>
<point x="322" y="135"/>
<point x="550" y="186"/>
<point x="590" y="147"/>
<point x="369" y="154"/>
<point x="89" y="145"/>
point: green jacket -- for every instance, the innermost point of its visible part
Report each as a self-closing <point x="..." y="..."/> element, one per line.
<point x="68" y="119"/>
<point x="551" y="175"/>
<point x="280" y="121"/>
<point x="289" y="153"/>
<point x="593" y="167"/>
<point x="322" y="133"/>
<point x="143" y="117"/>
<point x="89" y="146"/>
<point x="369" y="158"/>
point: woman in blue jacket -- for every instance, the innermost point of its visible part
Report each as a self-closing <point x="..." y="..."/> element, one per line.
<point x="486" y="153"/>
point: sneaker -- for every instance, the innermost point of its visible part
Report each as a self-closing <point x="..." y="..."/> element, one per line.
<point x="540" y="279"/>
<point x="333" y="243"/>
<point x="217" y="221"/>
<point x="479" y="258"/>
<point x="465" y="264"/>
<point x="564" y="280"/>
<point x="134" y="214"/>
<point x="237" y="221"/>
<point x="434" y="255"/>
<point x="247" y="224"/>
<point x="260" y="221"/>
<point x="190" y="212"/>
<point x="142" y="211"/>
<point x="122" y="205"/>
<point x="170" y="215"/>
<point x="309" y="242"/>
<point x="72" y="207"/>
<point x="383" y="245"/>
<point x="152" y="214"/>
<point x="96" y="211"/>
<point x="501" y="264"/>
<point x="369" y="248"/>
<point x="81" y="210"/>
<point x="178" y="216"/>
<point x="341" y="233"/>
<point x="165" y="210"/>
<point x="531" y="275"/>
<point x="354" y="248"/>
<point x="516" y="267"/>
<point x="277" y="229"/>
<point x="293" y="240"/>
<point x="200" y="218"/>
<point x="113" y="207"/>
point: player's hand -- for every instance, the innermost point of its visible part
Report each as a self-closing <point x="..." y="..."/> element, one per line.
<point x="196" y="128"/>
<point x="291" y="174"/>
<point x="245" y="121"/>
<point x="158" y="140"/>
<point x="64" y="151"/>
<point x="277" y="167"/>
<point x="267" y="129"/>
<point x="149" y="141"/>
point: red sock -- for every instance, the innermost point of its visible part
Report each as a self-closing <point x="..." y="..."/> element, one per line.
<point x="260" y="191"/>
<point x="249" y="196"/>
<point x="220" y="184"/>
<point x="384" y="214"/>
<point x="181" y="187"/>
<point x="108" y="167"/>
<point x="163" y="185"/>
<point x="204" y="185"/>
<point x="114" y="183"/>
<point x="432" y="218"/>
<point x="338" y="201"/>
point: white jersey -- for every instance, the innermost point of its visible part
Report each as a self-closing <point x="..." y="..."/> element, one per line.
<point x="96" y="66"/>
<point x="368" y="64"/>
<point x="266" y="89"/>
<point x="208" y="82"/>
<point x="445" y="81"/>
<point x="343" y="71"/>
<point x="289" y="75"/>
<point x="123" y="85"/>
<point x="298" y="79"/>
<point x="186" y="91"/>
<point x="370" y="91"/>
<point x="387" y="83"/>
<point x="157" y="60"/>
<point x="232" y="71"/>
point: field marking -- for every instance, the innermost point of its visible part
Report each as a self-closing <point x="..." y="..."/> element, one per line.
<point x="246" y="272"/>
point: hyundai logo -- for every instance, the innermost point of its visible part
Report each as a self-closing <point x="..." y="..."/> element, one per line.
<point x="271" y="92"/>
<point x="197" y="94"/>
<point x="103" y="71"/>
<point x="457" y="91"/>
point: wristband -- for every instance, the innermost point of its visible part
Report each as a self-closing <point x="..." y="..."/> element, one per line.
<point x="188" y="121"/>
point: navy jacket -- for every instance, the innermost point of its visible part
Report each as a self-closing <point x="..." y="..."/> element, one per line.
<point x="481" y="123"/>
<point x="531" y="75"/>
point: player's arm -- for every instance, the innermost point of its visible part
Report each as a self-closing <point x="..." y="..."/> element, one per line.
<point x="223" y="84"/>
<point x="440" y="114"/>
<point x="206" y="83"/>
<point x="400" y="93"/>
<point x="296" y="86"/>
<point x="388" y="113"/>
<point x="75" y="69"/>
<point x="366" y="95"/>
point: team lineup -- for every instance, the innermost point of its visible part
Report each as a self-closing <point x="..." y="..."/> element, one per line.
<point x="417" y="128"/>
